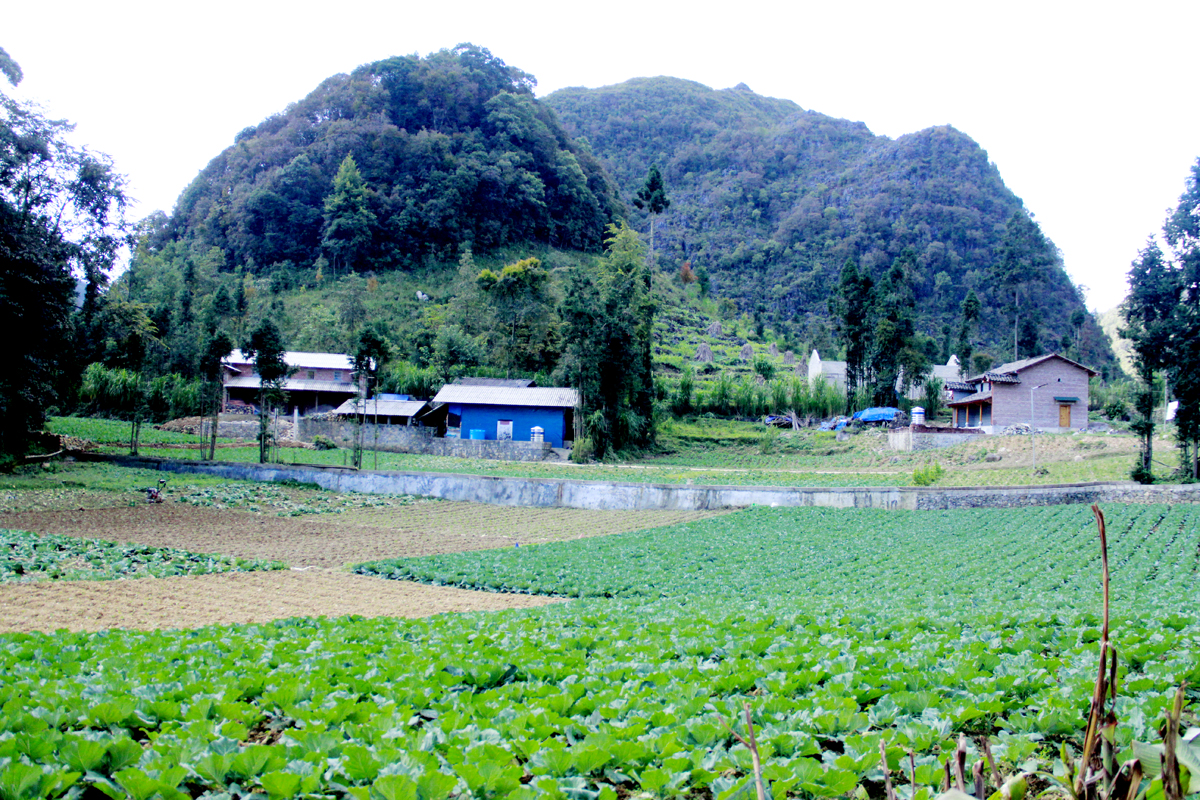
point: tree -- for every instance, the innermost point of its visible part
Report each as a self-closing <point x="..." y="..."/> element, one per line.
<point x="453" y="351"/>
<point x="1025" y="256"/>
<point x="267" y="350"/>
<point x="1182" y="232"/>
<point x="216" y="349"/>
<point x="607" y="318"/>
<point x="899" y="360"/>
<point x="1150" y="318"/>
<point x="853" y="310"/>
<point x="652" y="197"/>
<point x="969" y="313"/>
<point x="521" y="309"/>
<point x="371" y="354"/>
<point x="349" y="221"/>
<point x="61" y="212"/>
<point x="122" y="392"/>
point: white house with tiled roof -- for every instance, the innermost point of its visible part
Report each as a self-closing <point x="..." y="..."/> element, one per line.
<point x="1050" y="392"/>
<point x="319" y="381"/>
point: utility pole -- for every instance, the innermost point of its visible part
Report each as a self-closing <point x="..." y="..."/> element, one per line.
<point x="1033" y="425"/>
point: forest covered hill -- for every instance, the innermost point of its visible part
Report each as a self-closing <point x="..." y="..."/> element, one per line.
<point x="405" y="164"/>
<point x="771" y="199"/>
<point x="453" y="149"/>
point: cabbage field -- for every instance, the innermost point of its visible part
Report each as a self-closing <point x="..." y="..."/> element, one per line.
<point x="848" y="633"/>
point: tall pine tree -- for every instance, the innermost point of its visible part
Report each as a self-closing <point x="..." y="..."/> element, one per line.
<point x="349" y="222"/>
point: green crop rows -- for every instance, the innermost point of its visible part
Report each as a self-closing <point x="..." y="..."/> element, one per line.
<point x="842" y="629"/>
<point x="1042" y="559"/>
<point x="27" y="557"/>
<point x="287" y="501"/>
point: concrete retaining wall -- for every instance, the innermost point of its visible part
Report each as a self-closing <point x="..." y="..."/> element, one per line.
<point x="916" y="438"/>
<point x="551" y="492"/>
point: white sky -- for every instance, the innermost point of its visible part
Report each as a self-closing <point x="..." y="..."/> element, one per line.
<point x="1088" y="109"/>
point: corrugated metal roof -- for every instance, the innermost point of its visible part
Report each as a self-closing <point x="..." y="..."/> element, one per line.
<point x="515" y="383"/>
<point x="301" y="360"/>
<point x="384" y="408"/>
<point x="544" y="397"/>
<point x="295" y="385"/>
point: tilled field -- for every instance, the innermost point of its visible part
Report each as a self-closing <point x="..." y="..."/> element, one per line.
<point x="315" y="546"/>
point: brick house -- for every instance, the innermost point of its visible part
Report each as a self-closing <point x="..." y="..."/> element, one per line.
<point x="1051" y="390"/>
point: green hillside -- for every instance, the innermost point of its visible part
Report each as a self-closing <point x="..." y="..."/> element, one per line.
<point x="771" y="200"/>
<point x="453" y="149"/>
<point x="381" y="197"/>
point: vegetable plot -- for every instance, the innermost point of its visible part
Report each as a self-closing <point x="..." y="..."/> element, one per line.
<point x="26" y="557"/>
<point x="947" y="562"/>
<point x="850" y="634"/>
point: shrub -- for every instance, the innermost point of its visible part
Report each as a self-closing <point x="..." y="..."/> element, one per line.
<point x="324" y="443"/>
<point x="582" y="450"/>
<point x="927" y="475"/>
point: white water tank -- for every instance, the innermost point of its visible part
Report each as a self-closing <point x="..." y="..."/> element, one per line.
<point x="918" y="415"/>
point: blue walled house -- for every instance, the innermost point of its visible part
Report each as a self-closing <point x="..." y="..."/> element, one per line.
<point x="504" y="412"/>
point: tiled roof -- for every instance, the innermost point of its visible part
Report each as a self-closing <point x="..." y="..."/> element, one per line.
<point x="959" y="386"/>
<point x="544" y="397"/>
<point x="974" y="398"/>
<point x="1007" y="373"/>
<point x="384" y="408"/>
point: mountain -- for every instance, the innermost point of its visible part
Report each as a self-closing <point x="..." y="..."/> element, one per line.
<point x="771" y="199"/>
<point x="1112" y="321"/>
<point x="453" y="149"/>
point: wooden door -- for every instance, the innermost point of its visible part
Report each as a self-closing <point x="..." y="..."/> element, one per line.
<point x="1064" y="416"/>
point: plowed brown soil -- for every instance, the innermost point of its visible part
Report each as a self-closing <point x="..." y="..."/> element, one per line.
<point x="191" y="602"/>
<point x="316" y="547"/>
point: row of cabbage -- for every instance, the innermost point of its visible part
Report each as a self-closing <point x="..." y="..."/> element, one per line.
<point x="822" y="621"/>
<point x="27" y="557"/>
<point x="949" y="561"/>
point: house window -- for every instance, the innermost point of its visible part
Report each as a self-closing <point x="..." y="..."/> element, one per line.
<point x="337" y="374"/>
<point x="312" y="374"/>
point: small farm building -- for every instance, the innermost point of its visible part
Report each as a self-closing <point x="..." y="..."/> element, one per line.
<point x="320" y="382"/>
<point x="384" y="409"/>
<point x="1049" y="392"/>
<point x="834" y="372"/>
<point x="504" y="412"/>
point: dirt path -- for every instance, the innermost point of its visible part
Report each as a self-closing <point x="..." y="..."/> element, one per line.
<point x="317" y="547"/>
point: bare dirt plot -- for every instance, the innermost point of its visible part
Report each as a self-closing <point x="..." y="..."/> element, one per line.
<point x="190" y="602"/>
<point x="335" y="540"/>
<point x="316" y="546"/>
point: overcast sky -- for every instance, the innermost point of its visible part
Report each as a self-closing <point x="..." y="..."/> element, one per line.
<point x="1088" y="109"/>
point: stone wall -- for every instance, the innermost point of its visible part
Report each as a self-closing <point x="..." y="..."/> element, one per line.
<point x="386" y="438"/>
<point x="244" y="428"/>
<point x="558" y="492"/>
<point x="916" y="438"/>
<point x="406" y="439"/>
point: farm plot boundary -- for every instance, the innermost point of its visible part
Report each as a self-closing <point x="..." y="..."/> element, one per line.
<point x="607" y="495"/>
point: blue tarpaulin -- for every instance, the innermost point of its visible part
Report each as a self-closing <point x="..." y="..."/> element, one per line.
<point x="880" y="414"/>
